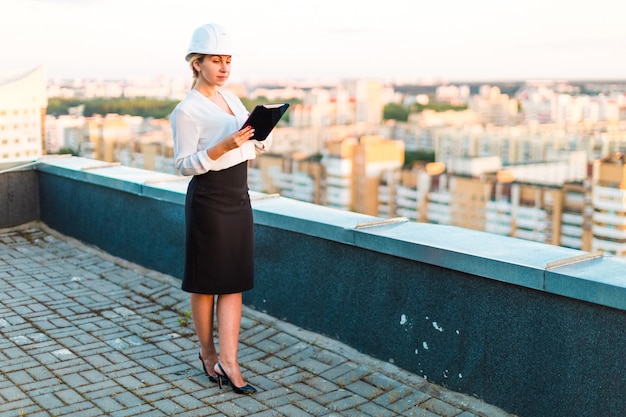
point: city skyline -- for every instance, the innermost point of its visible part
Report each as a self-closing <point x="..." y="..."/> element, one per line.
<point x="404" y="41"/>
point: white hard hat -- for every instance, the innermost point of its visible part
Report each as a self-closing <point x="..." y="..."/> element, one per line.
<point x="210" y="39"/>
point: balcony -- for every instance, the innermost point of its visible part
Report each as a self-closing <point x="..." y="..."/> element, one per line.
<point x="614" y="219"/>
<point x="609" y="199"/>
<point x="533" y="328"/>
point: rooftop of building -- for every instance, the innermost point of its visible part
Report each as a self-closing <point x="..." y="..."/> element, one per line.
<point x="351" y="314"/>
<point x="86" y="333"/>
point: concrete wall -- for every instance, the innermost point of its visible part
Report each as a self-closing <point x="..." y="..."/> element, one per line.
<point x="530" y="352"/>
<point x="535" y="329"/>
<point x="19" y="198"/>
<point x="142" y="230"/>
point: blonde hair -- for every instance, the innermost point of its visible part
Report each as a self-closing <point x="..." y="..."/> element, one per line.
<point x="192" y="58"/>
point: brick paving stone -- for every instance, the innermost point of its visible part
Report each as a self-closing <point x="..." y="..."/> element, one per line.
<point x="440" y="408"/>
<point x="140" y="409"/>
<point x="347" y="403"/>
<point x="314" y="366"/>
<point x="148" y="378"/>
<point x="168" y="407"/>
<point x="128" y="399"/>
<point x="153" y="413"/>
<point x="231" y="409"/>
<point x="393" y="396"/>
<point x="333" y="396"/>
<point x="290" y="410"/>
<point x="364" y="389"/>
<point x="259" y="367"/>
<point x="419" y="412"/>
<point x="12" y="393"/>
<point x="258" y="334"/>
<point x="167" y="392"/>
<point x="268" y="346"/>
<point x="50" y="400"/>
<point x="252" y="354"/>
<point x="205" y="411"/>
<point x="24" y="409"/>
<point x="295" y="378"/>
<point x="321" y="384"/>
<point x="330" y="358"/>
<point x="267" y="413"/>
<point x="413" y="401"/>
<point x="287" y="398"/>
<point x="107" y="404"/>
<point x="187" y="401"/>
<point x="68" y="396"/>
<point x="93" y="335"/>
<point x="371" y="409"/>
<point x="305" y="390"/>
<point x="19" y="377"/>
<point x="36" y="411"/>
<point x="346" y="372"/>
<point x="42" y="386"/>
<point x="350" y="377"/>
<point x="284" y="339"/>
<point x="297" y="348"/>
<point x="81" y="408"/>
<point x="12" y="407"/>
<point x="311" y="406"/>
<point x="100" y="389"/>
<point x="381" y="381"/>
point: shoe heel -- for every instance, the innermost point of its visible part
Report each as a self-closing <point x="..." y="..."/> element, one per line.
<point x="211" y="378"/>
<point x="245" y="390"/>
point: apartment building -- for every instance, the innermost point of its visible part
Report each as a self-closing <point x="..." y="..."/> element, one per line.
<point x="23" y="104"/>
<point x="345" y="175"/>
<point x="609" y="205"/>
<point x="493" y="107"/>
<point x="547" y="202"/>
<point x="338" y="161"/>
<point x="64" y="131"/>
<point x="373" y="157"/>
<point x="297" y="176"/>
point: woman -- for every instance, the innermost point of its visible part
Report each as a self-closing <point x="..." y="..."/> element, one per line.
<point x="219" y="252"/>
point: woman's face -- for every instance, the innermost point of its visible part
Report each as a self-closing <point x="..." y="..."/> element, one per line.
<point x="214" y="69"/>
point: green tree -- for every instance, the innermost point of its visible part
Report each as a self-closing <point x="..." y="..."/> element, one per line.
<point x="436" y="106"/>
<point x="144" y="107"/>
<point x="394" y="111"/>
<point x="66" y="151"/>
<point x="410" y="157"/>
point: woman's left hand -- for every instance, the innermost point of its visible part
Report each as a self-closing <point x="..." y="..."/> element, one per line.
<point x="240" y="137"/>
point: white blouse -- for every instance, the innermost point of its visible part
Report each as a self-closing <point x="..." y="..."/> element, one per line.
<point x="199" y="124"/>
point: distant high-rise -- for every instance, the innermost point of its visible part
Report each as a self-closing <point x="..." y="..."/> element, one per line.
<point x="23" y="103"/>
<point x="609" y="205"/>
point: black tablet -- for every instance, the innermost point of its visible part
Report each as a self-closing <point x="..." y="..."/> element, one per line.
<point x="264" y="118"/>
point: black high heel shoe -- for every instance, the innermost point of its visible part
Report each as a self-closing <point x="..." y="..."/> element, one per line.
<point x="246" y="390"/>
<point x="216" y="379"/>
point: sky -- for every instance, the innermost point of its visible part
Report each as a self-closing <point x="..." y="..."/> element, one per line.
<point x="391" y="40"/>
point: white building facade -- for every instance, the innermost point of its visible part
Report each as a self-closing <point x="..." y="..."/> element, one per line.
<point x="23" y="103"/>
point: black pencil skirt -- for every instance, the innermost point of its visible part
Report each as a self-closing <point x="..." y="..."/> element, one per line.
<point x="219" y="251"/>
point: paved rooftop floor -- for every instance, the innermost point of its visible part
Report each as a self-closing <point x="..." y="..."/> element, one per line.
<point x="83" y="333"/>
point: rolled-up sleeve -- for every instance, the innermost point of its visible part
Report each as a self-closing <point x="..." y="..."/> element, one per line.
<point x="188" y="159"/>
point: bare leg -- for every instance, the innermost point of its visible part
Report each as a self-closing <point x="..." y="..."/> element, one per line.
<point x="202" y="314"/>
<point x="229" y="308"/>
